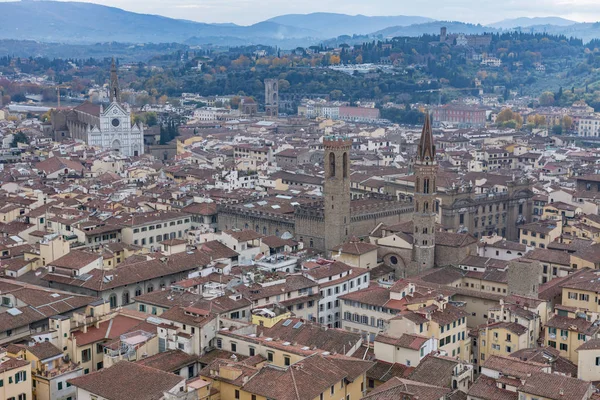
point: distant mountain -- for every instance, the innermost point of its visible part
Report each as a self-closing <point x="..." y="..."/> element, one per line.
<point x="333" y="25"/>
<point x="433" y="28"/>
<point x="525" y="22"/>
<point x="75" y="22"/>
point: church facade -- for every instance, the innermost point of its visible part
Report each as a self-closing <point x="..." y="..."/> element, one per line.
<point x="107" y="128"/>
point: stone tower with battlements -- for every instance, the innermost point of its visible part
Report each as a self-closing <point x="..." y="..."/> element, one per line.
<point x="272" y="97"/>
<point x="114" y="93"/>
<point x="336" y="190"/>
<point x="424" y="215"/>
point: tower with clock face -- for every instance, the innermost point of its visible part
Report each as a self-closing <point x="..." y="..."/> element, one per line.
<point x="115" y="130"/>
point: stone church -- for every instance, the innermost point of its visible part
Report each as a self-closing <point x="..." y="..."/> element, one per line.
<point x="107" y="128"/>
<point x="420" y="244"/>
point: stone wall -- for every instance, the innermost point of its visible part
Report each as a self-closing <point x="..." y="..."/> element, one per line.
<point x="524" y="278"/>
<point x="446" y="255"/>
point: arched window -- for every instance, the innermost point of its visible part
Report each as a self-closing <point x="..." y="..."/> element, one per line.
<point x="246" y="226"/>
<point x="332" y="165"/>
<point x="150" y="288"/>
<point x="277" y="232"/>
<point x="311" y="244"/>
<point x="257" y="228"/>
<point x="113" y="300"/>
<point x="345" y="164"/>
<point x="416" y="206"/>
<point x="426" y="206"/>
<point x="125" y="298"/>
<point x="417" y="185"/>
<point x="138" y="291"/>
<point x="426" y="185"/>
<point x="425" y="230"/>
<point x="264" y="230"/>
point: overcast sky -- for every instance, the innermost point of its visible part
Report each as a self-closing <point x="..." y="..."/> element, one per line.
<point x="247" y="12"/>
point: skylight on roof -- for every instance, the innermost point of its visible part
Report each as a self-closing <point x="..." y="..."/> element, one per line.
<point x="287" y="322"/>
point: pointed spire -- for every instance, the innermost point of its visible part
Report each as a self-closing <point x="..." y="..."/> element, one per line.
<point x="114" y="93"/>
<point x="426" y="151"/>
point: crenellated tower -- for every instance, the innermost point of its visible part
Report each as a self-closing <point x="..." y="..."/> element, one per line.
<point x="424" y="215"/>
<point x="336" y="190"/>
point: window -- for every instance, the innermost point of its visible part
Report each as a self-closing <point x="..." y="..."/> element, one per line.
<point x="270" y="356"/>
<point x="86" y="355"/>
<point x="552" y="343"/>
<point x="233" y="347"/>
<point x="286" y="360"/>
<point x="99" y="348"/>
<point x="252" y="351"/>
<point x="60" y="385"/>
<point x="237" y="394"/>
<point x="597" y="361"/>
<point x="332" y="389"/>
<point x="564" y="347"/>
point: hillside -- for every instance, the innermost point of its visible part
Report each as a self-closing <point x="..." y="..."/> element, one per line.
<point x="74" y="22"/>
<point x="433" y="28"/>
<point x="527" y="22"/>
<point x="330" y="25"/>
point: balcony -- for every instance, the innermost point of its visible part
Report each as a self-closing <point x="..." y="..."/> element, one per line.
<point x="462" y="373"/>
<point x="62" y="369"/>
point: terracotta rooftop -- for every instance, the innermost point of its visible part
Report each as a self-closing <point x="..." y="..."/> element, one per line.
<point x="128" y="381"/>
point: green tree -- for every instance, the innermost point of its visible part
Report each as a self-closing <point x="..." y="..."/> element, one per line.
<point x="546" y="99"/>
<point x="151" y="119"/>
<point x="19" y="137"/>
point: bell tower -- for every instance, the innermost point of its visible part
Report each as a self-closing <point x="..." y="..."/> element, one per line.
<point x="424" y="215"/>
<point x="336" y="190"/>
<point x="114" y="93"/>
<point x="272" y="97"/>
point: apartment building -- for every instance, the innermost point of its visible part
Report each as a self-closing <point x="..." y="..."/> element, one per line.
<point x="336" y="279"/>
<point x="345" y="378"/>
<point x="189" y="329"/>
<point x="50" y="370"/>
<point x="149" y="229"/>
<point x="408" y="349"/>
<point x="297" y="293"/>
<point x="288" y="341"/>
<point x="440" y="320"/>
<point x="568" y="333"/>
<point x="501" y="339"/>
<point x="15" y="377"/>
<point x="540" y="234"/>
